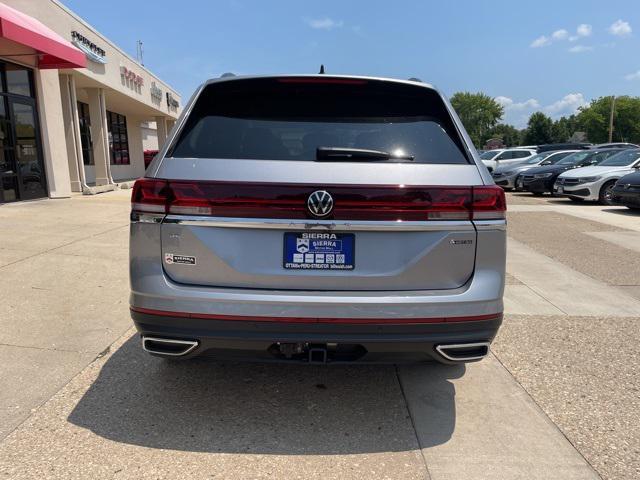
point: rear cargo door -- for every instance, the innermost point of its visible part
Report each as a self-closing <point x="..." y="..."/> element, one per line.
<point x="252" y="205"/>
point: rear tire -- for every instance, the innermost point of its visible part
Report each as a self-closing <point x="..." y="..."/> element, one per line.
<point x="606" y="193"/>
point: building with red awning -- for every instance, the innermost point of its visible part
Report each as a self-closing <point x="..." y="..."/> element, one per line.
<point x="76" y="112"/>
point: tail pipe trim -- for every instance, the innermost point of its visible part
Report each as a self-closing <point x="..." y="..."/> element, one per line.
<point x="170" y="347"/>
<point x="464" y="352"/>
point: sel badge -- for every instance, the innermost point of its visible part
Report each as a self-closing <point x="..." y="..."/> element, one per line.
<point x="302" y="245"/>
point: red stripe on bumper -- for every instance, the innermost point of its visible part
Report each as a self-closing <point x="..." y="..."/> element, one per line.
<point x="391" y="321"/>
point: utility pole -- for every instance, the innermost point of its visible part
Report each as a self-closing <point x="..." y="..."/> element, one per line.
<point x="613" y="107"/>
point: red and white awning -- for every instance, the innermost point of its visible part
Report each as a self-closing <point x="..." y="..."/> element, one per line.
<point x="53" y="50"/>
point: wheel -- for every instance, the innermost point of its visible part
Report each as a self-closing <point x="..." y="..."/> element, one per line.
<point x="577" y="200"/>
<point x="537" y="194"/>
<point x="606" y="193"/>
<point x="633" y="208"/>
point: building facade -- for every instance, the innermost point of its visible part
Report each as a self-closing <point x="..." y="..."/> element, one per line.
<point x="76" y="112"/>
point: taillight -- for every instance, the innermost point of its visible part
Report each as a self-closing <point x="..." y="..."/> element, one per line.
<point x="488" y="203"/>
<point x="150" y="195"/>
<point x="397" y="203"/>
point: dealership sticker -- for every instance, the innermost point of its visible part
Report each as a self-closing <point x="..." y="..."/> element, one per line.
<point x="171" y="258"/>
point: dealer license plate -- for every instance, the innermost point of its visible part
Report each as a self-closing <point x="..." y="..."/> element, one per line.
<point x="319" y="251"/>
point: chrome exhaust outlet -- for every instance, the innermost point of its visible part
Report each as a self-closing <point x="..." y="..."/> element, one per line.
<point x="169" y="347"/>
<point x="464" y="352"/>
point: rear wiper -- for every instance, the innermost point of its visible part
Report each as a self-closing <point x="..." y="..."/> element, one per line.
<point x="337" y="154"/>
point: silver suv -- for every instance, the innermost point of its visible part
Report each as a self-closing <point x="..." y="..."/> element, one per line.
<point x="318" y="219"/>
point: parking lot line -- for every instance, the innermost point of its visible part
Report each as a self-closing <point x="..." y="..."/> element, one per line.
<point x="521" y="299"/>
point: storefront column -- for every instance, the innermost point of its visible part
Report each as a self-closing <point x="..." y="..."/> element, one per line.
<point x="99" y="135"/>
<point x="72" y="132"/>
<point x="161" y="126"/>
<point x="54" y="148"/>
<point x="136" y="152"/>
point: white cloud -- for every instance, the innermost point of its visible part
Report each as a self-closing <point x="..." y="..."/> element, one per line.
<point x="541" y="41"/>
<point x="620" y="28"/>
<point x="584" y="30"/>
<point x="324" y="23"/>
<point x="633" y="76"/>
<point x="560" y="34"/>
<point x="580" y="49"/>
<point x="517" y="113"/>
<point x="509" y="104"/>
<point x="566" y="105"/>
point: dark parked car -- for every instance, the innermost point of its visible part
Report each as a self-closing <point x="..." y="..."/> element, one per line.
<point x="562" y="146"/>
<point x="627" y="191"/>
<point x="540" y="180"/>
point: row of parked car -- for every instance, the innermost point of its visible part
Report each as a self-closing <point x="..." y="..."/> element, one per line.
<point x="608" y="174"/>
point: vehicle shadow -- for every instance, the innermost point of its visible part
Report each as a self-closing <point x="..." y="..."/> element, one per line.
<point x="204" y="406"/>
<point x="627" y="212"/>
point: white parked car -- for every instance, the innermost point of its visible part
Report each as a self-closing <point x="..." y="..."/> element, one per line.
<point x="504" y="156"/>
<point x="596" y="182"/>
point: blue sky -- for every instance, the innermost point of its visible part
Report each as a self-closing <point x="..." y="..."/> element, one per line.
<point x="544" y="55"/>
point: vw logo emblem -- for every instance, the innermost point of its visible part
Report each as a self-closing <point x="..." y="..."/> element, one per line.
<point x="320" y="203"/>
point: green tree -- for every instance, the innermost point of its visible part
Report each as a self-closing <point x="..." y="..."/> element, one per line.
<point x="561" y="130"/>
<point x="509" y="134"/>
<point x="594" y="119"/>
<point x="478" y="113"/>
<point x="538" y="129"/>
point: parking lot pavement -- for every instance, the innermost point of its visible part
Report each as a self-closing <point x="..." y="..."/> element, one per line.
<point x="120" y="413"/>
<point x="583" y="371"/>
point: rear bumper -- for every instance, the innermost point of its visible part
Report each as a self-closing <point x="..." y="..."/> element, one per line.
<point x="382" y="342"/>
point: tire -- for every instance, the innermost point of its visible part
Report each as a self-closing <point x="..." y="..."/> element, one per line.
<point x="606" y="197"/>
<point x="537" y="194"/>
<point x="635" y="209"/>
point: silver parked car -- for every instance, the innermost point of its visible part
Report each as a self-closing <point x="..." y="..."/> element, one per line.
<point x="506" y="175"/>
<point x="317" y="219"/>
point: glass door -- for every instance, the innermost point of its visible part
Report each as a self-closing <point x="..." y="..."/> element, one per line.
<point x="8" y="170"/>
<point x="22" y="174"/>
<point x="27" y="149"/>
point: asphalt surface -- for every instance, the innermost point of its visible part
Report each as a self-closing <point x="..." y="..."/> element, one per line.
<point x="79" y="399"/>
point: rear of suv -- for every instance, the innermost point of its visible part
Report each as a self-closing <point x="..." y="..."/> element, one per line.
<point x="317" y="219"/>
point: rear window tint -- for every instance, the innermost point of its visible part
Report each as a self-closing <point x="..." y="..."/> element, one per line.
<point x="273" y="120"/>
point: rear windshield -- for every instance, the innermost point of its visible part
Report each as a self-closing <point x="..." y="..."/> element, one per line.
<point x="274" y="119"/>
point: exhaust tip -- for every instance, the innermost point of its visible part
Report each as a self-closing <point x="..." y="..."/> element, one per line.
<point x="464" y="352"/>
<point x="169" y="347"/>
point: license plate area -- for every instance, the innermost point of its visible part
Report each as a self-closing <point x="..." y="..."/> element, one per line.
<point x="319" y="251"/>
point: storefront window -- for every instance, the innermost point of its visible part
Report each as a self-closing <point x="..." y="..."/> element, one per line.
<point x="18" y="80"/>
<point x="118" y="139"/>
<point x="85" y="133"/>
